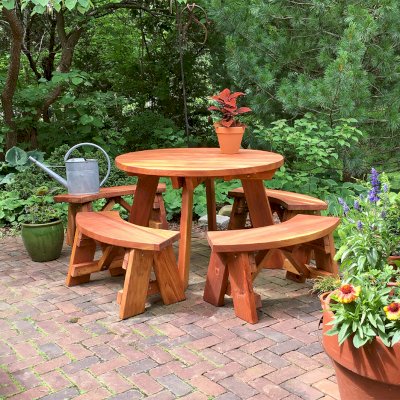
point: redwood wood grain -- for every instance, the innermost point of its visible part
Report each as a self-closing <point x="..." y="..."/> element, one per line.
<point x="82" y="252"/>
<point x="104" y="193"/>
<point x="166" y="271"/>
<point x="143" y="200"/>
<point x="186" y="232"/>
<point x="187" y="167"/>
<point x="299" y="229"/>
<point x="257" y="201"/>
<point x="289" y="200"/>
<point x="137" y="278"/>
<point x="198" y="162"/>
<point x="211" y="205"/>
<point x="217" y="280"/>
<point x="242" y="287"/>
<point x="73" y="209"/>
<point x="104" y="227"/>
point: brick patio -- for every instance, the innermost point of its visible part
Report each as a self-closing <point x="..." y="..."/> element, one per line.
<point x="68" y="343"/>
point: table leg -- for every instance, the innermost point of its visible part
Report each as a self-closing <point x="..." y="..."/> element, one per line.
<point x="211" y="205"/>
<point x="186" y="231"/>
<point x="257" y="202"/>
<point x="143" y="200"/>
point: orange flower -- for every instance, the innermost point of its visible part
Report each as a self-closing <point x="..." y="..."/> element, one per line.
<point x="347" y="293"/>
<point x="392" y="311"/>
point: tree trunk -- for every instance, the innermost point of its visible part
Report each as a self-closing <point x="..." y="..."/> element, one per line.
<point x="10" y="86"/>
<point x="68" y="43"/>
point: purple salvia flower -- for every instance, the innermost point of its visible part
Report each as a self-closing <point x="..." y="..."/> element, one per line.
<point x="374" y="178"/>
<point x="373" y="196"/>
<point x="345" y="207"/>
<point x="357" y="205"/>
<point x="374" y="192"/>
<point x="359" y="225"/>
<point x="385" y="188"/>
<point x="383" y="214"/>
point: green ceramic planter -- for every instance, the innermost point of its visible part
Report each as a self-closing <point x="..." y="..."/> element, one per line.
<point x="43" y="242"/>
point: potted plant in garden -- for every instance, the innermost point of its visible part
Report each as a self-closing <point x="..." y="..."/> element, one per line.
<point x="361" y="318"/>
<point x="42" y="230"/>
<point x="229" y="130"/>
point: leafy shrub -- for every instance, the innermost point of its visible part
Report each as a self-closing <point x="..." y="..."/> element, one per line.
<point x="315" y="155"/>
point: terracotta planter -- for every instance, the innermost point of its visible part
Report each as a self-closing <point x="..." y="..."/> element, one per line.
<point x="229" y="139"/>
<point x="391" y="259"/>
<point x="368" y="373"/>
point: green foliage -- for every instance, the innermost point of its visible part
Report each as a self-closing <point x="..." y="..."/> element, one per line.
<point x="16" y="159"/>
<point x="40" y="208"/>
<point x="315" y="155"/>
<point x="335" y="58"/>
<point x="11" y="207"/>
<point x="45" y="6"/>
<point x="173" y="197"/>
<point x="364" y="318"/>
<point x="370" y="233"/>
<point x="370" y="230"/>
<point x="325" y="284"/>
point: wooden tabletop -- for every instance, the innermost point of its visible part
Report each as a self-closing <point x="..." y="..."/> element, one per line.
<point x="198" y="162"/>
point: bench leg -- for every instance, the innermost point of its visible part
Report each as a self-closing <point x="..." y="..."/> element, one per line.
<point x="73" y="209"/>
<point x="216" y="282"/>
<point x="82" y="253"/>
<point x="324" y="259"/>
<point x="138" y="268"/>
<point x="166" y="271"/>
<point x="240" y="278"/>
<point x="301" y="256"/>
<point x="158" y="218"/>
<point x="112" y="259"/>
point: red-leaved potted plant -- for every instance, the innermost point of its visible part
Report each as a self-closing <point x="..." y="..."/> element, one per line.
<point x="229" y="130"/>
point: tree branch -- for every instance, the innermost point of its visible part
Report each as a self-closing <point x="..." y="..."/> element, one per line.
<point x="7" y="95"/>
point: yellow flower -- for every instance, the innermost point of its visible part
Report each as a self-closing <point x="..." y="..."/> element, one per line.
<point x="392" y="311"/>
<point x="347" y="293"/>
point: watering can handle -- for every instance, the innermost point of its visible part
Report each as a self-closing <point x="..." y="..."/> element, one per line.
<point x="98" y="147"/>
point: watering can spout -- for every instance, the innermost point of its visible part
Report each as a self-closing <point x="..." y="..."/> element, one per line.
<point x="55" y="176"/>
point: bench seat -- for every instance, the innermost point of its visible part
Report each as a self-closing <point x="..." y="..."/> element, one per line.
<point x="112" y="195"/>
<point x="233" y="260"/>
<point x="285" y="204"/>
<point x="129" y="247"/>
<point x="288" y="200"/>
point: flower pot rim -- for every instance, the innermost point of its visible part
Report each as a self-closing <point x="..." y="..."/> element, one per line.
<point x="239" y="125"/>
<point x="358" y="360"/>
<point x="43" y="224"/>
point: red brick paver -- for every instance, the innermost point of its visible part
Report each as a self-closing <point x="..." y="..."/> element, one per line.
<point x="58" y="342"/>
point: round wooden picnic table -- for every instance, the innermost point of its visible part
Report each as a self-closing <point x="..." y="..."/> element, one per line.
<point x="187" y="168"/>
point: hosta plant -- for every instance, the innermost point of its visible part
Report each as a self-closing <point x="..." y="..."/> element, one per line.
<point x="227" y="106"/>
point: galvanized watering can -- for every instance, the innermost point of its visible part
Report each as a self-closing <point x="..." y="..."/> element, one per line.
<point x="82" y="174"/>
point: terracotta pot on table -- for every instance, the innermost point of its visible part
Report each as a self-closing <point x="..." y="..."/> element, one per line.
<point x="229" y="139"/>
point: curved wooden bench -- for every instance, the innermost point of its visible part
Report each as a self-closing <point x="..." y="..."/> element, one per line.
<point x="285" y="204"/>
<point x="112" y="195"/>
<point x="232" y="257"/>
<point x="141" y="248"/>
